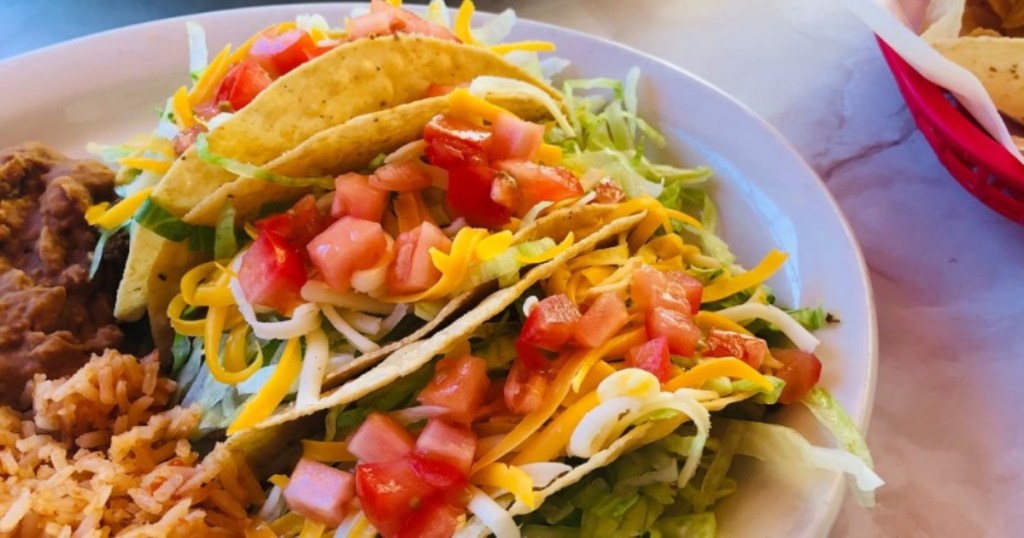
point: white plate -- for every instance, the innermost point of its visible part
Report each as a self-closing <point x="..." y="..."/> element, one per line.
<point x="108" y="86"/>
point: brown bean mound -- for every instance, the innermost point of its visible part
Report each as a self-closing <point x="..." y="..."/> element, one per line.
<point x="52" y="317"/>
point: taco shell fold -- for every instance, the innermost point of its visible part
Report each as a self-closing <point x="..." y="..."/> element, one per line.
<point x="358" y="78"/>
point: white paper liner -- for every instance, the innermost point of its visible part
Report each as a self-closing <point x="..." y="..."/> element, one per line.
<point x="888" y="19"/>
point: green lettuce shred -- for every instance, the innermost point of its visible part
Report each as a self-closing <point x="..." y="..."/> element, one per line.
<point x="225" y="242"/>
<point x="830" y="414"/>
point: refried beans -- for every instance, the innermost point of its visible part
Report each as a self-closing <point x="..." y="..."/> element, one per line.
<point x="52" y="317"/>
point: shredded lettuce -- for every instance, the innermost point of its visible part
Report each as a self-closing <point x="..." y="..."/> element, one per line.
<point x="400" y="393"/>
<point x="811" y="318"/>
<point x="832" y="415"/>
<point x="161" y="222"/>
<point x="197" y="53"/>
<point x="101" y="245"/>
<point x="780" y="445"/>
<point x="225" y="242"/>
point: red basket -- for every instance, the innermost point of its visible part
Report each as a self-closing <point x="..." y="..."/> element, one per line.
<point x="983" y="166"/>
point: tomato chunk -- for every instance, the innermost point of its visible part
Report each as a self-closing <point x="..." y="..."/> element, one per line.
<point x="282" y="52"/>
<point x="242" y="84"/>
<point x="607" y="191"/>
<point x="749" y="349"/>
<point x="437" y="90"/>
<point x="541" y="182"/>
<point x="438" y="473"/>
<point x="602" y="320"/>
<point x="370" y="24"/>
<point x="408" y="22"/>
<point x="676" y="290"/>
<point x="652" y="356"/>
<point x="400" y="177"/>
<point x="413" y="270"/>
<point x="353" y="195"/>
<point x="380" y="438"/>
<point x="469" y="196"/>
<point x="298" y="225"/>
<point x="460" y="385"/>
<point x="272" y="273"/>
<point x="446" y="442"/>
<point x="515" y="138"/>
<point x="452" y="141"/>
<point x="320" y="492"/>
<point x="801" y="372"/>
<point x="524" y="388"/>
<point x="434" y="518"/>
<point x="389" y="492"/>
<point x="348" y="245"/>
<point x="505" y="191"/>
<point x="675" y="326"/>
<point x="551" y="323"/>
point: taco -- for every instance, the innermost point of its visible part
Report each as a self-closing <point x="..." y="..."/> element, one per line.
<point x="624" y="341"/>
<point x="613" y="345"/>
<point x="382" y="259"/>
<point x="283" y="86"/>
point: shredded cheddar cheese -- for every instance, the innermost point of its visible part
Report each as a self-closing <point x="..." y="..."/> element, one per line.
<point x="273" y="392"/>
<point x="725" y="286"/>
<point x="182" y="109"/>
<point x="526" y="46"/>
<point x="108" y="219"/>
<point x="508" y="477"/>
<point x="728" y="367"/>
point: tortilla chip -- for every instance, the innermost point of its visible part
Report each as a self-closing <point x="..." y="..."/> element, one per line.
<point x="355" y="78"/>
<point x="143" y="248"/>
<point x="344" y="148"/>
<point x="173" y="260"/>
<point x="998" y="62"/>
<point x="412" y="357"/>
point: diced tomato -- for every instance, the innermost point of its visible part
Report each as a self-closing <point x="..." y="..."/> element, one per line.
<point x="676" y="326"/>
<point x="505" y="191"/>
<point x="551" y="323"/>
<point x="299" y="225"/>
<point x="413" y="271"/>
<point x="607" y="191"/>
<point x="514" y="138"/>
<point x="460" y="385"/>
<point x="400" y="177"/>
<point x="272" y="273"/>
<point x="242" y="84"/>
<point x="453" y="141"/>
<point x="469" y="196"/>
<point x="602" y="320"/>
<point x="403" y="21"/>
<point x="524" y="388"/>
<point x="348" y="245"/>
<point x="449" y="443"/>
<point x="353" y="195"/>
<point x="184" y="139"/>
<point x="320" y="492"/>
<point x="370" y="24"/>
<point x="531" y="356"/>
<point x="682" y="290"/>
<point x="438" y="473"/>
<point x="434" y="518"/>
<point x="437" y="90"/>
<point x="673" y="289"/>
<point x="801" y="372"/>
<point x="652" y="356"/>
<point x="320" y="50"/>
<point x="389" y="492"/>
<point x="541" y="182"/>
<point x="380" y="438"/>
<point x="282" y="52"/>
<point x="749" y="349"/>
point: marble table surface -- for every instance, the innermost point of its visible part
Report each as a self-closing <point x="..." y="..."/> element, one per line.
<point x="947" y="271"/>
